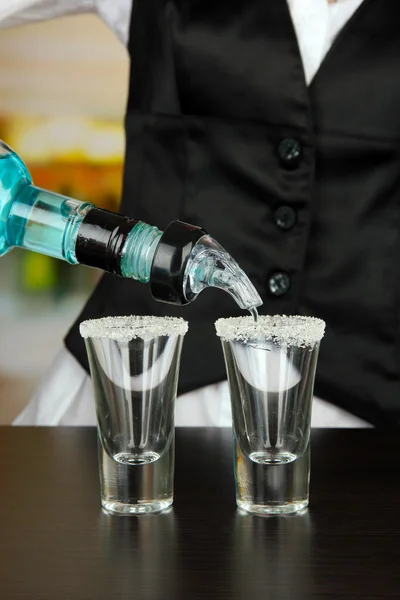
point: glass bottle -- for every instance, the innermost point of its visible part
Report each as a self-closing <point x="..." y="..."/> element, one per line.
<point x="177" y="263"/>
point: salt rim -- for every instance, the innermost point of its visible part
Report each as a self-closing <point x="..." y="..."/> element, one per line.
<point x="131" y="327"/>
<point x="293" y="330"/>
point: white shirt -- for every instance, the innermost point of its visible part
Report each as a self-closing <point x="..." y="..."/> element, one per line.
<point x="65" y="396"/>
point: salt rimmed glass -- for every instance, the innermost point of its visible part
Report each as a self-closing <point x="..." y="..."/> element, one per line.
<point x="134" y="364"/>
<point x="271" y="367"/>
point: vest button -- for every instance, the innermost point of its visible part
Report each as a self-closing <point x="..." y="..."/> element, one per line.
<point x="279" y="284"/>
<point x="285" y="217"/>
<point x="289" y="152"/>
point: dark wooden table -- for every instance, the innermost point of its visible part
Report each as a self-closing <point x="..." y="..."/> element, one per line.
<point x="56" y="544"/>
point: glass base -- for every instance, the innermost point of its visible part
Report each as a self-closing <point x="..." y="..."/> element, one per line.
<point x="287" y="508"/>
<point x="114" y="507"/>
<point x="130" y="487"/>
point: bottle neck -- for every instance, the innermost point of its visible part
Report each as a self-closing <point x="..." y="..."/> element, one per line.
<point x="43" y="222"/>
<point x="116" y="244"/>
<point x="101" y="238"/>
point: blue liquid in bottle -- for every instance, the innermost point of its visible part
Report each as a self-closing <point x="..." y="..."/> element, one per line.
<point x="33" y="218"/>
<point x="49" y="223"/>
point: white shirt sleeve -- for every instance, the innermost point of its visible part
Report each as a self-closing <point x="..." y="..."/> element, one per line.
<point x="21" y="12"/>
<point x="64" y="397"/>
<point x="116" y="14"/>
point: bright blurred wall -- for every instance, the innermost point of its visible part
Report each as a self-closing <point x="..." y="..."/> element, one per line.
<point x="63" y="87"/>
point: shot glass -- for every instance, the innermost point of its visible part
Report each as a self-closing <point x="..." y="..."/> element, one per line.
<point x="271" y="368"/>
<point x="134" y="364"/>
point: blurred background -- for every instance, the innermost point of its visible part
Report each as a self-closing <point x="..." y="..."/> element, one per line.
<point x="63" y="88"/>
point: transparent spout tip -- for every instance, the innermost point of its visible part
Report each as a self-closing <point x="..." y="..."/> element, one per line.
<point x="209" y="265"/>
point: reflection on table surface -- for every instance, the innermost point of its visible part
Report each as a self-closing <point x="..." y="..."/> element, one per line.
<point x="56" y="543"/>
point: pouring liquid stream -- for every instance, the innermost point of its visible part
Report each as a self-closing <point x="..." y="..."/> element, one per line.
<point x="254" y="313"/>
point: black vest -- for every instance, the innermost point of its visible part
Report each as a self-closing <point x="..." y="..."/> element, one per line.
<point x="301" y="185"/>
